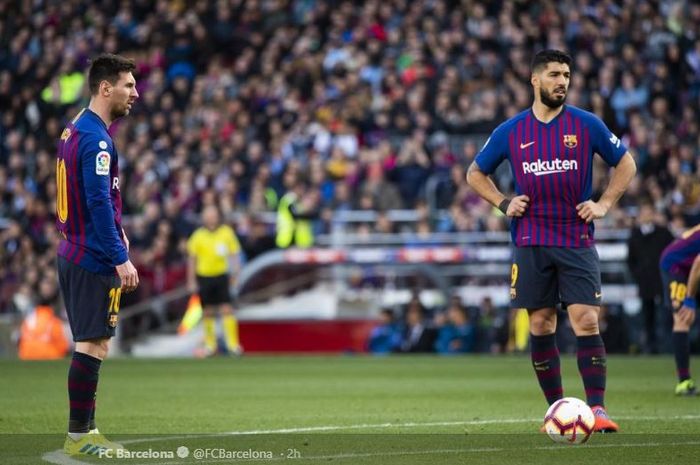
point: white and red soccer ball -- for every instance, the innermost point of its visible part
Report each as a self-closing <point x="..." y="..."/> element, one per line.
<point x="569" y="421"/>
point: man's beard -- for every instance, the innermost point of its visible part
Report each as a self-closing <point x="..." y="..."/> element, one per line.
<point x="550" y="100"/>
<point x="119" y="111"/>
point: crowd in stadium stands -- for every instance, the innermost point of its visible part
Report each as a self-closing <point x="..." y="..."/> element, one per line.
<point x="362" y="102"/>
<point x="486" y="328"/>
<point x="451" y="331"/>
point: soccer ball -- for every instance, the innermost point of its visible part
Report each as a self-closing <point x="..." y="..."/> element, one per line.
<point x="569" y="421"/>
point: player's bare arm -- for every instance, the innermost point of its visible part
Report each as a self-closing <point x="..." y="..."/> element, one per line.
<point x="128" y="276"/>
<point x="621" y="177"/>
<point x="685" y="317"/>
<point x="485" y="187"/>
<point x="126" y="240"/>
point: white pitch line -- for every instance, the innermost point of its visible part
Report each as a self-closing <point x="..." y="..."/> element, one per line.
<point x="312" y="429"/>
<point x="622" y="444"/>
<point x="658" y="417"/>
<point x="383" y="425"/>
<point x="59" y="458"/>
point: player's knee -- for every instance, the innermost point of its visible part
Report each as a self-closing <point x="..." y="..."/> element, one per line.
<point x="587" y="323"/>
<point x="540" y="325"/>
<point x="97" y="348"/>
<point x="104" y="348"/>
<point x="100" y="348"/>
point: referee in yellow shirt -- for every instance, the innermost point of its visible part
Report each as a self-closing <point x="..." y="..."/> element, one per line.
<point x="212" y="270"/>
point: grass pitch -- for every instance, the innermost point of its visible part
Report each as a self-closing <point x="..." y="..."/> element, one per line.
<point x="344" y="410"/>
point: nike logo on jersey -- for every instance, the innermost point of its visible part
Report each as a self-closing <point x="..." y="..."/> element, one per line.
<point x="598" y="295"/>
<point x="524" y="146"/>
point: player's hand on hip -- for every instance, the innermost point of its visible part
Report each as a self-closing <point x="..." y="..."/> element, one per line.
<point x="686" y="315"/>
<point x="590" y="210"/>
<point x="517" y="206"/>
<point x="128" y="275"/>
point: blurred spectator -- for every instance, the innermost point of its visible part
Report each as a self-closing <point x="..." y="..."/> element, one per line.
<point x="519" y="330"/>
<point x="385" y="195"/>
<point x="66" y="87"/>
<point x="412" y="168"/>
<point x="258" y="240"/>
<point x="42" y="336"/>
<point x="628" y="96"/>
<point x="613" y="329"/>
<point x="493" y="328"/>
<point x="296" y="208"/>
<point x="417" y="335"/>
<point x="456" y="335"/>
<point x="383" y="225"/>
<point x="385" y="338"/>
<point x="647" y="240"/>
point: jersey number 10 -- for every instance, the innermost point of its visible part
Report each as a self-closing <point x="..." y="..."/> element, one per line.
<point x="678" y="291"/>
<point x="61" y="191"/>
<point x="115" y="295"/>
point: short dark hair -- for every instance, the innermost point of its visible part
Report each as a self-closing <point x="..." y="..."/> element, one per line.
<point x="548" y="56"/>
<point x="107" y="67"/>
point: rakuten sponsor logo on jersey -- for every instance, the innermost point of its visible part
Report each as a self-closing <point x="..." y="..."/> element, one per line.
<point x="540" y="167"/>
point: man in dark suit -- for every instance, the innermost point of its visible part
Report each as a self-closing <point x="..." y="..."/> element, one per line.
<point x="646" y="242"/>
<point x="417" y="336"/>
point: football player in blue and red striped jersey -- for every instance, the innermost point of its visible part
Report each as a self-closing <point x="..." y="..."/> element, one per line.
<point x="93" y="261"/>
<point x="680" y="272"/>
<point x="550" y="147"/>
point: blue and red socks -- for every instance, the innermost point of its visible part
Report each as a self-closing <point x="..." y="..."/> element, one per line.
<point x="592" y="364"/>
<point x="82" y="386"/>
<point x="681" y="350"/>
<point x="545" y="361"/>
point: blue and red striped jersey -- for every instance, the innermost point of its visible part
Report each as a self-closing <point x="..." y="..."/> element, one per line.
<point x="678" y="256"/>
<point x="552" y="164"/>
<point x="88" y="200"/>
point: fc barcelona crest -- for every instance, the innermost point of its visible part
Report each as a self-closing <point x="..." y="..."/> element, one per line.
<point x="570" y="140"/>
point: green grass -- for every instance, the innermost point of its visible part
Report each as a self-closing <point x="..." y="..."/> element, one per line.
<point x="352" y="410"/>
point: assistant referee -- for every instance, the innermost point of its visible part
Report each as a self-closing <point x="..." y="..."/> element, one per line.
<point x="212" y="270"/>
